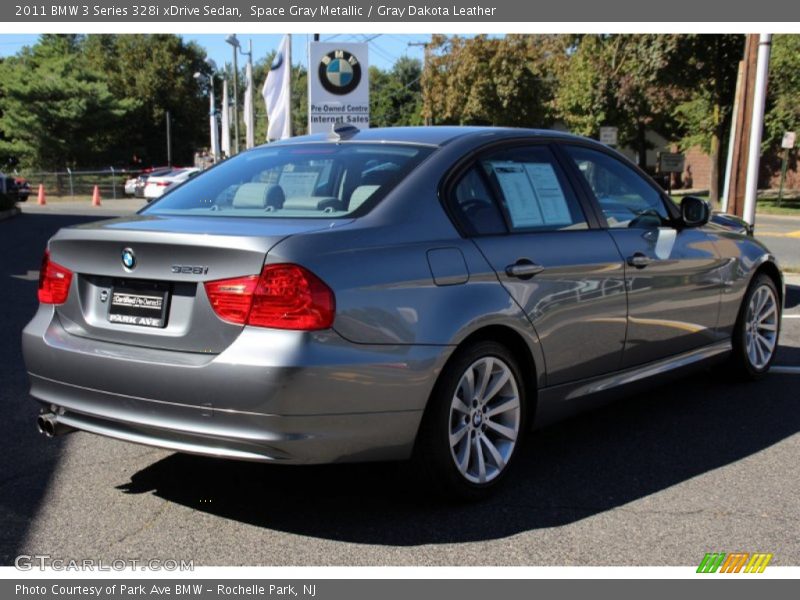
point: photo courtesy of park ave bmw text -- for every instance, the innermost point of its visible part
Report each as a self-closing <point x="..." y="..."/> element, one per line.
<point x="337" y="300"/>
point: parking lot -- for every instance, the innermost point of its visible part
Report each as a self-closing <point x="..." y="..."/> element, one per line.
<point x="661" y="478"/>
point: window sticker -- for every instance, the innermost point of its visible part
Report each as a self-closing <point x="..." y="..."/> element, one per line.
<point x="533" y="194"/>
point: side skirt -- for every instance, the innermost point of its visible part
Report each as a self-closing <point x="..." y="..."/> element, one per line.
<point x="562" y="401"/>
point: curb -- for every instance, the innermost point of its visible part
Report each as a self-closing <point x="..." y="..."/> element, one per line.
<point x="11" y="212"/>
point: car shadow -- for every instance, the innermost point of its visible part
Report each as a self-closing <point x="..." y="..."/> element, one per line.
<point x="564" y="473"/>
<point x="27" y="462"/>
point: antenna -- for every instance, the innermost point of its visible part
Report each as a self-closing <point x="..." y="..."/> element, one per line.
<point x="342" y="131"/>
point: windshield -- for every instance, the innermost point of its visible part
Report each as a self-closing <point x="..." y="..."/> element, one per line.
<point x="305" y="180"/>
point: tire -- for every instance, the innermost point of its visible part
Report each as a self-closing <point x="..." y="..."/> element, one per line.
<point x="755" y="336"/>
<point x="485" y="432"/>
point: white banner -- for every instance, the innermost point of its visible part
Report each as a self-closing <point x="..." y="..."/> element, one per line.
<point x="338" y="85"/>
<point x="226" y="121"/>
<point x="277" y="92"/>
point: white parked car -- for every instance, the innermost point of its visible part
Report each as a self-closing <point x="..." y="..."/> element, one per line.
<point x="156" y="186"/>
<point x="130" y="186"/>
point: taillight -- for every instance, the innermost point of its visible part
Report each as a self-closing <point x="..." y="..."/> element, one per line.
<point x="284" y="296"/>
<point x="54" y="281"/>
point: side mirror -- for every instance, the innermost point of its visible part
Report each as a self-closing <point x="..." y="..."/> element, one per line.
<point x="695" y="212"/>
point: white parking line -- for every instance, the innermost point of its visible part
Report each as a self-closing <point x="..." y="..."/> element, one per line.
<point x="791" y="316"/>
<point x="785" y="370"/>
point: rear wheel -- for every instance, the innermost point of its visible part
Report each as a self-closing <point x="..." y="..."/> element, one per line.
<point x="473" y="426"/>
<point x="755" y="337"/>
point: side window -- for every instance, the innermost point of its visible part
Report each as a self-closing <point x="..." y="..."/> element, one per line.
<point x="626" y="199"/>
<point x="533" y="191"/>
<point x="474" y="206"/>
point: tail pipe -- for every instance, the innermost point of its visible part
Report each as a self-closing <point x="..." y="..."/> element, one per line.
<point x="48" y="424"/>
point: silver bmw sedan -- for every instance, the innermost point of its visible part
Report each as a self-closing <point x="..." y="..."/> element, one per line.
<point x="426" y="293"/>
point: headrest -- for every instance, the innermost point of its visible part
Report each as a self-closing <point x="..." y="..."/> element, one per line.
<point x="259" y="195"/>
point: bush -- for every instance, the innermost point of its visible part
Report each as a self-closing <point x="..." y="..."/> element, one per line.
<point x="6" y="201"/>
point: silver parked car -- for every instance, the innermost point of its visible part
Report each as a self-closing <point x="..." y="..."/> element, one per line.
<point x="426" y="293"/>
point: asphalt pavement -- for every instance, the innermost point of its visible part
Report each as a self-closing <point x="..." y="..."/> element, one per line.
<point x="660" y="478"/>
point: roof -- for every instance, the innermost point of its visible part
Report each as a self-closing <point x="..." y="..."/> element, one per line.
<point x="437" y="135"/>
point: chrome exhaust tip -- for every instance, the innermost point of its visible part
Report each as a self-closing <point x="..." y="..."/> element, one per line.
<point x="48" y="425"/>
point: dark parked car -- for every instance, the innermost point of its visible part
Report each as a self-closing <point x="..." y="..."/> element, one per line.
<point x="23" y="189"/>
<point x="425" y="293"/>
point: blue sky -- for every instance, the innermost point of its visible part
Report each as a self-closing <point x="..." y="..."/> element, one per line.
<point x="384" y="49"/>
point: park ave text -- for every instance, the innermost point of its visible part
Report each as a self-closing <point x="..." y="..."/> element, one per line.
<point x="301" y="11"/>
<point x="177" y="589"/>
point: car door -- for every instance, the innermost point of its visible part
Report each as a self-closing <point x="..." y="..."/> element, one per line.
<point x="566" y="273"/>
<point x="673" y="273"/>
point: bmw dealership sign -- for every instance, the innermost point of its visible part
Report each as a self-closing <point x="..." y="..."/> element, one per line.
<point x="338" y="86"/>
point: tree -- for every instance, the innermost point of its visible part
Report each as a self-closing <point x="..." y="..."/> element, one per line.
<point x="57" y="111"/>
<point x="395" y="95"/>
<point x="487" y="81"/>
<point x="158" y="72"/>
<point x="706" y="67"/>
<point x="617" y="80"/>
<point x="783" y="108"/>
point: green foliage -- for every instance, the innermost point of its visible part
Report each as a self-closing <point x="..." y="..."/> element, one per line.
<point x="487" y="81"/>
<point x="783" y="108"/>
<point x="616" y="80"/>
<point x="706" y="67"/>
<point x="89" y="101"/>
<point x="56" y="109"/>
<point x="395" y="95"/>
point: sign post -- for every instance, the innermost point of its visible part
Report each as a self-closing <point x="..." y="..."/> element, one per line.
<point x="670" y="162"/>
<point x="338" y="85"/>
<point x="787" y="144"/>
<point x="608" y="136"/>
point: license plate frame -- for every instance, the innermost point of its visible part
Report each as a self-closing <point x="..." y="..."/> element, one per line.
<point x="139" y="303"/>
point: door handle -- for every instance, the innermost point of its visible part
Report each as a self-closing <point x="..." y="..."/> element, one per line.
<point x="523" y="269"/>
<point x="639" y="260"/>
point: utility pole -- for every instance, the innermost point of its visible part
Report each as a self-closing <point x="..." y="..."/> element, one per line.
<point x="741" y="128"/>
<point x="757" y="126"/>
<point x="169" y="141"/>
<point x="425" y="65"/>
<point x="233" y="41"/>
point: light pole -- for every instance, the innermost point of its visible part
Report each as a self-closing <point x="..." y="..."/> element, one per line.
<point x="249" y="109"/>
<point x="212" y="109"/>
<point x="234" y="41"/>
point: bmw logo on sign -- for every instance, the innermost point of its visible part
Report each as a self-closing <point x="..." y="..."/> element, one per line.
<point x="128" y="259"/>
<point x="339" y="72"/>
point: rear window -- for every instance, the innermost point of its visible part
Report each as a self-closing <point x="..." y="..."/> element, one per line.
<point x="309" y="180"/>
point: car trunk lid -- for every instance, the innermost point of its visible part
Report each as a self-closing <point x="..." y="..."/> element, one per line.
<point x="158" y="299"/>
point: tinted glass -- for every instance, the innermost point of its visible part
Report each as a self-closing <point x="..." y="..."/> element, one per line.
<point x="534" y="192"/>
<point x="301" y="181"/>
<point x="626" y="198"/>
<point x="475" y="209"/>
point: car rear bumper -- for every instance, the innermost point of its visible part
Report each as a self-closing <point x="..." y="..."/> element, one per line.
<point x="279" y="396"/>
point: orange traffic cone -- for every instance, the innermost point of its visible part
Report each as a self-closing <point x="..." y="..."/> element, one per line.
<point x="41" y="200"/>
<point x="96" y="196"/>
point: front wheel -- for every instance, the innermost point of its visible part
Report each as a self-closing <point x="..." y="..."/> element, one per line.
<point x="473" y="426"/>
<point x="755" y="337"/>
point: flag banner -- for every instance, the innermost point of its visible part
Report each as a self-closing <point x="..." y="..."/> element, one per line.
<point x="226" y="122"/>
<point x="277" y="93"/>
<point x="249" y="115"/>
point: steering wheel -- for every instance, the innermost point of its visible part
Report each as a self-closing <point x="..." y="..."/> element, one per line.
<point x="644" y="216"/>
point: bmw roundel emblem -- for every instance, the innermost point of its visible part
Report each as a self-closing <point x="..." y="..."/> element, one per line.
<point x="339" y="72"/>
<point x="128" y="259"/>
